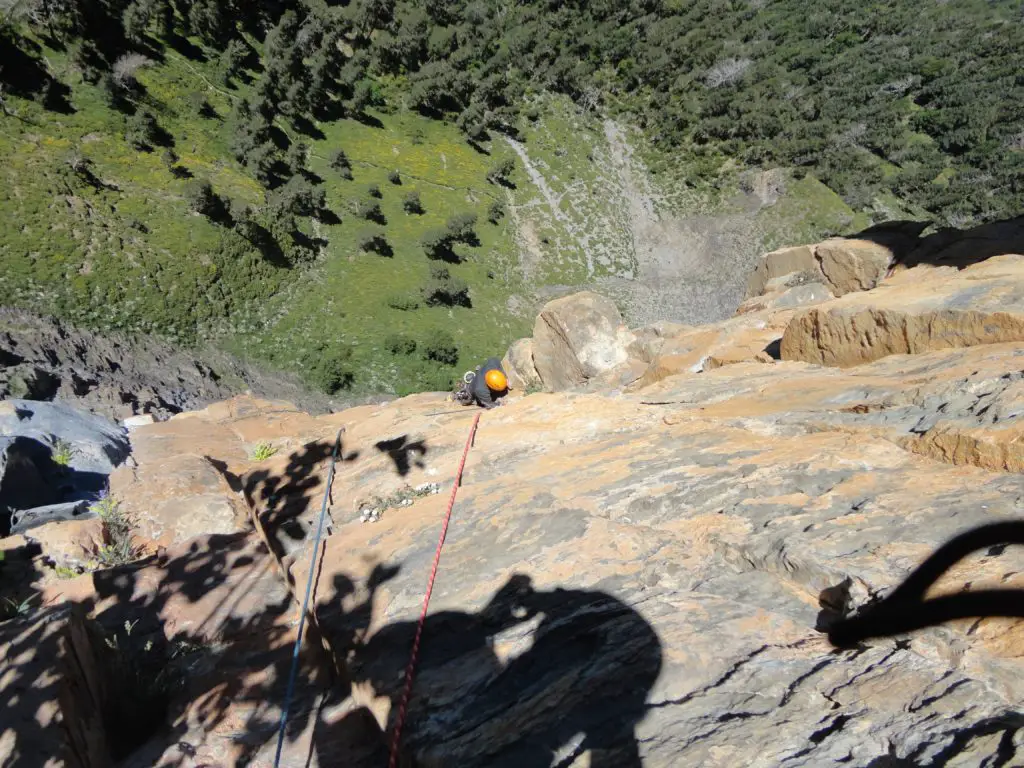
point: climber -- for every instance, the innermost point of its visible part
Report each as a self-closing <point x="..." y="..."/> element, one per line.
<point x="484" y="387"/>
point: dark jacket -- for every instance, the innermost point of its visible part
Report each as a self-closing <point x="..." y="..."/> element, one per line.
<point x="481" y="392"/>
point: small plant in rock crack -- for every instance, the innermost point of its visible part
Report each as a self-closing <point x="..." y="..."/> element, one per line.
<point x="62" y="453"/>
<point x="370" y="511"/>
<point x="65" y="572"/>
<point x="13" y="608"/>
<point x="117" y="546"/>
<point x="263" y="451"/>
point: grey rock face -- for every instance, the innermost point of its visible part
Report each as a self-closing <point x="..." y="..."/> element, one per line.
<point x="44" y="359"/>
<point x="53" y="454"/>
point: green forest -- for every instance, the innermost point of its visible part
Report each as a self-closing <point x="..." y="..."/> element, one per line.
<point x="264" y="173"/>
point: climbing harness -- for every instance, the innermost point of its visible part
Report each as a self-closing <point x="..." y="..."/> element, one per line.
<point x="410" y="670"/>
<point x="464" y="391"/>
<point x="305" y="602"/>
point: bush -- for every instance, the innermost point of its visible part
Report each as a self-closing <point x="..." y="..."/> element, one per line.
<point x="117" y="546"/>
<point x="62" y="453"/>
<point x="500" y="171"/>
<point x="340" y="162"/>
<point x="397" y="344"/>
<point x="442" y="289"/>
<point x="434" y="241"/>
<point x="331" y="371"/>
<point x="403" y="302"/>
<point x="440" y="347"/>
<point x="395" y="177"/>
<point x="299" y="197"/>
<point x="370" y="210"/>
<point x="459" y="228"/>
<point x="374" y="191"/>
<point x="199" y="105"/>
<point x="201" y="198"/>
<point x="127" y="67"/>
<point x="141" y="130"/>
<point x="495" y="212"/>
<point x="412" y="203"/>
<point x="371" y="240"/>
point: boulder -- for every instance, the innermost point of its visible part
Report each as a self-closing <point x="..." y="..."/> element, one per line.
<point x="68" y="543"/>
<point x="916" y="311"/>
<point x="782" y="264"/>
<point x="578" y="338"/>
<point x="181" y="498"/>
<point x="518" y="364"/>
<point x="97" y="444"/>
<point x="181" y="483"/>
<point x="26" y="520"/>
<point x="53" y="454"/>
<point x="852" y="265"/>
<point x="840" y="264"/>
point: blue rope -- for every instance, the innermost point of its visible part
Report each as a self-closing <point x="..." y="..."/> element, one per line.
<point x="305" y="604"/>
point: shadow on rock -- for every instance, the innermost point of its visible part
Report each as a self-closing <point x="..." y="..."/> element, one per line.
<point x="905" y="609"/>
<point x="283" y="499"/>
<point x="947" y="247"/>
<point x="580" y="686"/>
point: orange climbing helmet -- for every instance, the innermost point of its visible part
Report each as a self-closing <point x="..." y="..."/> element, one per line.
<point x="496" y="381"/>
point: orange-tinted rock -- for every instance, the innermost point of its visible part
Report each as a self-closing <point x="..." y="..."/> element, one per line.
<point x="578" y="338"/>
<point x="916" y="311"/>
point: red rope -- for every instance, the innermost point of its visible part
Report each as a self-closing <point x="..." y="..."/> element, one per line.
<point x="411" y="668"/>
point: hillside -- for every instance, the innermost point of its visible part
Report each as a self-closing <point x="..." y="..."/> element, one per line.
<point x="378" y="195"/>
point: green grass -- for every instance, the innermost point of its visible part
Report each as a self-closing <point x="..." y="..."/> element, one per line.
<point x="807" y="212"/>
<point x="342" y="303"/>
<point x="131" y="256"/>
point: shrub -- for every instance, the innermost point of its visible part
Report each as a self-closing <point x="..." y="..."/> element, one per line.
<point x="371" y="240"/>
<point x="495" y="212"/>
<point x="299" y="197"/>
<point x="340" y="162"/>
<point x="201" y="198"/>
<point x="117" y="547"/>
<point x="141" y="130"/>
<point x="403" y="302"/>
<point x="62" y="453"/>
<point x="127" y="67"/>
<point x="434" y="240"/>
<point x="501" y="170"/>
<point x="331" y="370"/>
<point x="459" y="228"/>
<point x="370" y="210"/>
<point x="442" y="289"/>
<point x="263" y="451"/>
<point x="395" y="177"/>
<point x="412" y="203"/>
<point x="199" y="105"/>
<point x="374" y="191"/>
<point x="440" y="347"/>
<point x="397" y="344"/>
